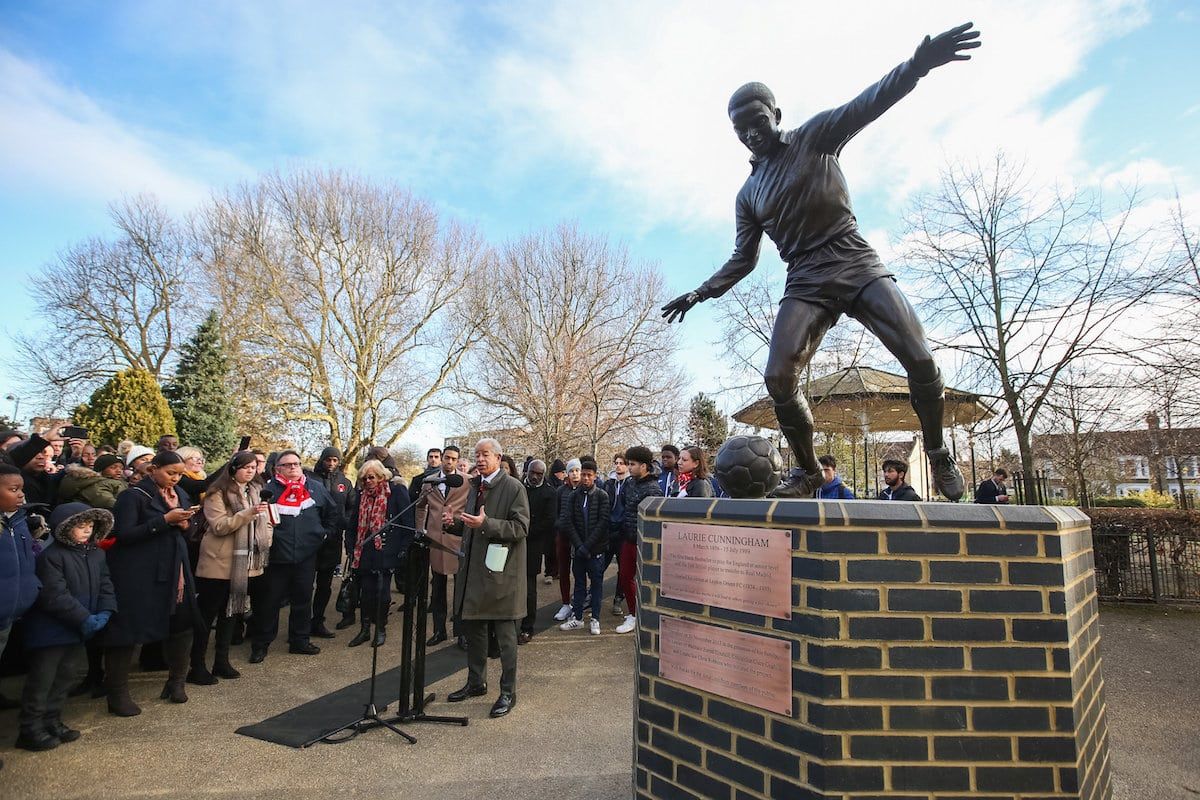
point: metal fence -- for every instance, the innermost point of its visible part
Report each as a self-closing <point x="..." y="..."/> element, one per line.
<point x="1137" y="565"/>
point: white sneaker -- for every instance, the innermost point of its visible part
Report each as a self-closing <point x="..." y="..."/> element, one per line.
<point x="628" y="625"/>
<point x="594" y="627"/>
<point x="563" y="613"/>
<point x="571" y="625"/>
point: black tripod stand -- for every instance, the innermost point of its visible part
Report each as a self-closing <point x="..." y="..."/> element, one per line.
<point x="412" y="660"/>
<point x="370" y="716"/>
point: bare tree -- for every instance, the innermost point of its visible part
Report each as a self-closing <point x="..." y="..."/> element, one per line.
<point x="346" y="297"/>
<point x="112" y="304"/>
<point x="1081" y="408"/>
<point x="574" y="351"/>
<point x="1027" y="284"/>
<point x="746" y="317"/>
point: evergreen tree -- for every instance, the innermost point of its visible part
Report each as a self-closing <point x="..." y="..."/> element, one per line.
<point x="707" y="426"/>
<point x="199" y="393"/>
<point x="130" y="405"/>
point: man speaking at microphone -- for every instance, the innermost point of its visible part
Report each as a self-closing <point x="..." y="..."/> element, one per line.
<point x="490" y="587"/>
<point x="434" y="500"/>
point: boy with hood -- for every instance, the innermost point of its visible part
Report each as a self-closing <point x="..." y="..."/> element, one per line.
<point x="98" y="486"/>
<point x="75" y="603"/>
<point x="328" y="471"/>
<point x="833" y="488"/>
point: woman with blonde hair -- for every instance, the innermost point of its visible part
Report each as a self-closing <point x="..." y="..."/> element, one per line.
<point x="378" y="536"/>
<point x="233" y="552"/>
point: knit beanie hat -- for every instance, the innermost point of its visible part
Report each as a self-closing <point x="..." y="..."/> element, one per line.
<point x="558" y="466"/>
<point x="105" y="461"/>
<point x="574" y="463"/>
<point x="136" y="452"/>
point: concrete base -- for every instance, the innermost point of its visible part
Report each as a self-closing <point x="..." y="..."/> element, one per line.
<point x="938" y="650"/>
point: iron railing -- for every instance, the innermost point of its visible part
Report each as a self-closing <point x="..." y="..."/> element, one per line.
<point x="1140" y="565"/>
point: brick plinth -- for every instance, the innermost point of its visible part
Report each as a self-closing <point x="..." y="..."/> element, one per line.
<point x="938" y="651"/>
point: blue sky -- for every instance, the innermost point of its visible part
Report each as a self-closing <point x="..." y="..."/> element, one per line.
<point x="518" y="115"/>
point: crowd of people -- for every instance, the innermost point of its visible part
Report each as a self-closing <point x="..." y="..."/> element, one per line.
<point x="107" y="552"/>
<point x="110" y="550"/>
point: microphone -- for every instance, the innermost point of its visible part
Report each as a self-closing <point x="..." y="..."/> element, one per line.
<point x="452" y="481"/>
<point x="266" y="495"/>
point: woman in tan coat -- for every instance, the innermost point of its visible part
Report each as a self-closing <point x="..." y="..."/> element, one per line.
<point x="233" y="551"/>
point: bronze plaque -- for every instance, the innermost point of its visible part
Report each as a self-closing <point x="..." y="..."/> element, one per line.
<point x="744" y="569"/>
<point x="753" y="669"/>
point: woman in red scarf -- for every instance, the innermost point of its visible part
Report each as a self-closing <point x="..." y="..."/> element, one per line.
<point x="693" y="474"/>
<point x="381" y="506"/>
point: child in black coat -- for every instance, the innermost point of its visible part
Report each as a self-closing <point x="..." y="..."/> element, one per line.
<point x="75" y="603"/>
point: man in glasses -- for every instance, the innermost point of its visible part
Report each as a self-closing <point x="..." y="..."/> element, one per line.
<point x="307" y="515"/>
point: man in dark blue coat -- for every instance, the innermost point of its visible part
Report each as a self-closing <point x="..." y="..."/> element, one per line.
<point x="306" y="513"/>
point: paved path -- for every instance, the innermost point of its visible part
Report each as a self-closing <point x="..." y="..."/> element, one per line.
<point x="568" y="738"/>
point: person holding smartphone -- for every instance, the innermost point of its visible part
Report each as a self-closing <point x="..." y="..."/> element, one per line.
<point x="156" y="593"/>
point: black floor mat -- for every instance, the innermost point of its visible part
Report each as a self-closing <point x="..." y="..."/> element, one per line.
<point x="300" y="725"/>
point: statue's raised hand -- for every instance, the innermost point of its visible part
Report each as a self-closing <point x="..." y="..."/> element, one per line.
<point x="675" y="309"/>
<point x="946" y="47"/>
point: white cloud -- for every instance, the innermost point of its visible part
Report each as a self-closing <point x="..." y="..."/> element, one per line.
<point x="57" y="140"/>
<point x="638" y="91"/>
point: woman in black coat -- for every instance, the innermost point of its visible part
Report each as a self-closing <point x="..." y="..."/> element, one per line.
<point x="693" y="474"/>
<point x="374" y="559"/>
<point x="153" y="580"/>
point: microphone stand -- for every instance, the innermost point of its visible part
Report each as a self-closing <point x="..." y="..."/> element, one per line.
<point x="412" y="659"/>
<point x="370" y="717"/>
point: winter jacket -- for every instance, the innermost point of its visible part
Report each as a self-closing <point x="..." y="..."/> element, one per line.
<point x="397" y="537"/>
<point x="637" y="490"/>
<point x="543" y="502"/>
<point x="668" y="483"/>
<point x="562" y="505"/>
<point x="298" y="537"/>
<point x="342" y="491"/>
<point x="19" y="583"/>
<point x="146" y="561"/>
<point x="901" y="492"/>
<point x="616" y="503"/>
<point x="82" y="485"/>
<point x="230" y="527"/>
<point x="480" y="593"/>
<point x="697" y="487"/>
<point x="835" y="490"/>
<point x="41" y="487"/>
<point x="588" y="529"/>
<point x="75" y="582"/>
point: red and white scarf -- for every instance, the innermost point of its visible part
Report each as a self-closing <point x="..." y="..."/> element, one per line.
<point x="372" y="514"/>
<point x="294" y="498"/>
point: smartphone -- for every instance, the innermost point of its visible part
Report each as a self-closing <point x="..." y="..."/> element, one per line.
<point x="244" y="444"/>
<point x="73" y="432"/>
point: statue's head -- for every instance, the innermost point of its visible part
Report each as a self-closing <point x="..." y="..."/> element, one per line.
<point x="755" y="118"/>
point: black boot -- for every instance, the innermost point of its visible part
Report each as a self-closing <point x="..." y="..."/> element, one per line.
<point x="346" y="621"/>
<point x="117" y="661"/>
<point x="177" y="649"/>
<point x="364" y="635"/>
<point x="36" y="740"/>
<point x="221" y="666"/>
<point x="380" y="637"/>
<point x="199" y="675"/>
<point x="58" y="730"/>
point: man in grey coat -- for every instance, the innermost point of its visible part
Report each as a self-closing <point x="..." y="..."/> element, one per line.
<point x="490" y="587"/>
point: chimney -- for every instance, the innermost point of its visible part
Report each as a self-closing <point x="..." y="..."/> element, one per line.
<point x="1152" y="421"/>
